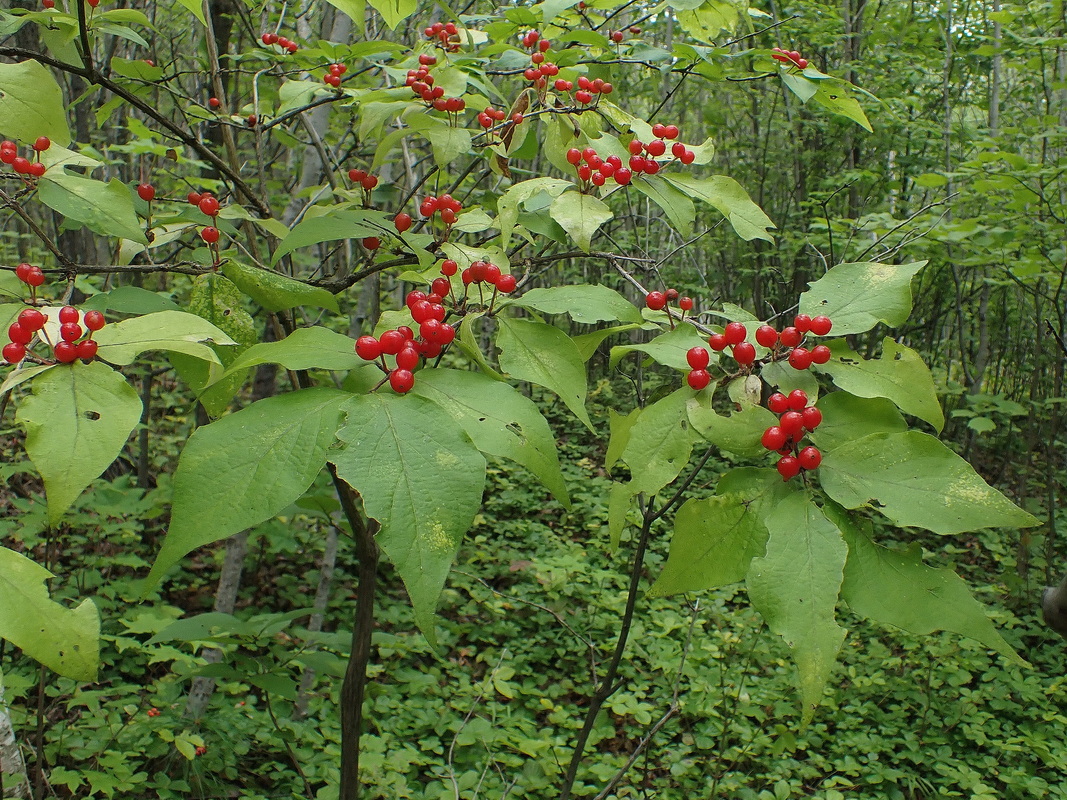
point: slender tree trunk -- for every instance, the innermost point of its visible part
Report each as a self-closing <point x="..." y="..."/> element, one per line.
<point x="14" y="783"/>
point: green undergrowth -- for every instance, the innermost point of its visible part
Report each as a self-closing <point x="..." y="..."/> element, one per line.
<point x="530" y="612"/>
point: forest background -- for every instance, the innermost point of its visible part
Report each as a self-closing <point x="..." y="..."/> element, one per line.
<point x="951" y="150"/>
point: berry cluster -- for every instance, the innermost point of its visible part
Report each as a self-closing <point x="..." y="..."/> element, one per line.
<point x="795" y="418"/>
<point x="9" y="154"/>
<point x="657" y="301"/>
<point x="596" y="171"/>
<point x="789" y="57"/>
<point x="31" y="276"/>
<point x="539" y="70"/>
<point x="792" y="337"/>
<point x="421" y="83"/>
<point x="274" y="39"/>
<point x="207" y="203"/>
<point x="434" y="334"/>
<point x="446" y="33"/>
<point x="333" y="75"/>
<point x="643" y="156"/>
<point x="30" y="321"/>
<point x="482" y="272"/>
<point x="363" y="178"/>
<point x="587" y="89"/>
<point x="491" y="116"/>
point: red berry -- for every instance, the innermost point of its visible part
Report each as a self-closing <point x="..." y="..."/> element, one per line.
<point x="392" y="342"/>
<point x="766" y="336"/>
<point x="506" y="284"/>
<point x="671" y="132"/>
<point x="36" y="277"/>
<point x="717" y="342"/>
<point x="800" y="358"/>
<point x="574" y="156"/>
<point x="14" y="352"/>
<point x="19" y="335"/>
<point x="658" y="130"/>
<point x="368" y="348"/>
<point x="402" y="221"/>
<point x="48" y="3"/>
<point x="812" y="418"/>
<point x="798" y="400"/>
<point x="86" y="349"/>
<point x="672" y="294"/>
<point x="21" y="165"/>
<point x="252" y="120"/>
<point x="820" y="326"/>
<point x="408" y="358"/>
<point x="792" y="423"/>
<point x="146" y="192"/>
<point x="699" y="378"/>
<point x="685" y="303"/>
<point x="636" y="147"/>
<point x="616" y="36"/>
<point x="209" y="205"/>
<point x="372" y="242"/>
<point x="744" y="353"/>
<point x="194" y="198"/>
<point x="809" y="457"/>
<point x="214" y="102"/>
<point x="544" y="45"/>
<point x="623" y="176"/>
<point x="774" y="438"/>
<point x="70" y="331"/>
<point x="735" y="333"/>
<point x="778" y="403"/>
<point x="69" y="314"/>
<point x="820" y="354"/>
<point x="790" y="337"/>
<point x="269" y="38"/>
<point x="94" y="320"/>
<point x="440" y="286"/>
<point x="33" y="320"/>
<point x="65" y="352"/>
<point x="491" y="274"/>
<point x="583" y="97"/>
<point x="656" y="300"/>
<point x="788" y="467"/>
<point x="698" y="358"/>
<point x="656" y="147"/>
<point x="449" y="267"/>
<point x="802" y="322"/>
<point x="406" y="332"/>
<point x="36" y="169"/>
<point x="22" y="271"/>
<point x="210" y="234"/>
<point x="401" y="380"/>
<point x="42" y="144"/>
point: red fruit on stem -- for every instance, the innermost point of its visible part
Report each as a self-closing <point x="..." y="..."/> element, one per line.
<point x="685" y="303"/>
<point x="623" y="176"/>
<point x="65" y="352"/>
<point x="22" y="271"/>
<point x="36" y="169"/>
<point x="440" y="286"/>
<point x="401" y="380"/>
<point x="790" y="337"/>
<point x="792" y="423"/>
<point x="33" y="320"/>
<point x="809" y="457"/>
<point x="788" y="467"/>
<point x="656" y="300"/>
<point x="798" y="400"/>
<point x="94" y="320"/>
<point x="812" y="418"/>
<point x="774" y="438"/>
<point x="194" y="198"/>
<point x="209" y="205"/>
<point x="42" y="144"/>
<point x="146" y="192"/>
<point x="506" y="284"/>
<point x="698" y="379"/>
<point x="69" y="314"/>
<point x="214" y="102"/>
<point x="70" y="331"/>
<point x="820" y="354"/>
<point x="392" y="342"/>
<point x="210" y="234"/>
<point x="744" y="353"/>
<point x="820" y="326"/>
<point x="408" y="358"/>
<point x="800" y="358"/>
<point x="36" y="277"/>
<point x="372" y="242"/>
<point x="671" y="132"/>
<point x="698" y="357"/>
<point x="778" y="403"/>
<point x="717" y="342"/>
<point x="402" y="221"/>
<point x="802" y="322"/>
<point x="19" y="335"/>
<point x="368" y="348"/>
<point x="766" y="336"/>
<point x="735" y="333"/>
<point x="86" y="349"/>
<point x="14" y="352"/>
<point x="449" y="267"/>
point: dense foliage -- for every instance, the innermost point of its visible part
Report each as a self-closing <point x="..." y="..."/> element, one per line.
<point x="332" y="284"/>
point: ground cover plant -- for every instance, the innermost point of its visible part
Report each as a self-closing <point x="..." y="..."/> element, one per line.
<point x="395" y="306"/>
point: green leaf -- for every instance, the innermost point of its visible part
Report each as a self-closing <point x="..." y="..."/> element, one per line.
<point x="104" y="208"/>
<point x="174" y="331"/>
<point x="499" y="420"/>
<point x="675" y="204"/>
<point x="196" y="7"/>
<point x="467" y="341"/>
<point x="304" y="348"/>
<point x="509" y="202"/>
<point x="668" y="349"/>
<point x="731" y="200"/>
<point x="394" y="11"/>
<point x="31" y="103"/>
<point x="584" y="303"/>
<point x="275" y="292"/>
<point x="708" y="19"/>
<point x="896" y="588"/>
<point x="802" y="87"/>
<point x="447" y="142"/>
<point x="545" y="355"/>
<point x="421" y="478"/>
<point x="339" y="224"/>
<point x="837" y="98"/>
<point x="714" y="540"/>
<point x="130" y="300"/>
<point x="619" y="426"/>
<point x="246" y="467"/>
<point x="916" y="480"/>
<point x="659" y="444"/>
<point x="899" y="375"/>
<point x="795" y="588"/>
<point x="847" y="418"/>
<point x="66" y="640"/>
<point x="761" y="489"/>
<point x="738" y="433"/>
<point x="580" y="215"/>
<point x="136" y="68"/>
<point x="77" y="421"/>
<point x="857" y="296"/>
<point x="587" y="343"/>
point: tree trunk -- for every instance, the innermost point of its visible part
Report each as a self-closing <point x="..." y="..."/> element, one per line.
<point x="13" y="780"/>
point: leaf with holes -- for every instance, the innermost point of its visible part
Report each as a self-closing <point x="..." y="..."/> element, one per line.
<point x="857" y="296"/>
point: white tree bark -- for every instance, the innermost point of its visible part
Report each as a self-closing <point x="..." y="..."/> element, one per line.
<point x="13" y="780"/>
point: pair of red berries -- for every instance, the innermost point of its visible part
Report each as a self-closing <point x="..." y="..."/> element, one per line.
<point x="30" y="321"/>
<point x="597" y="170"/>
<point x="363" y="178"/>
<point x="657" y="301"/>
<point x="30" y="275"/>
<point x="796" y="418"/>
<point x="789" y="57"/>
<point x="490" y="116"/>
